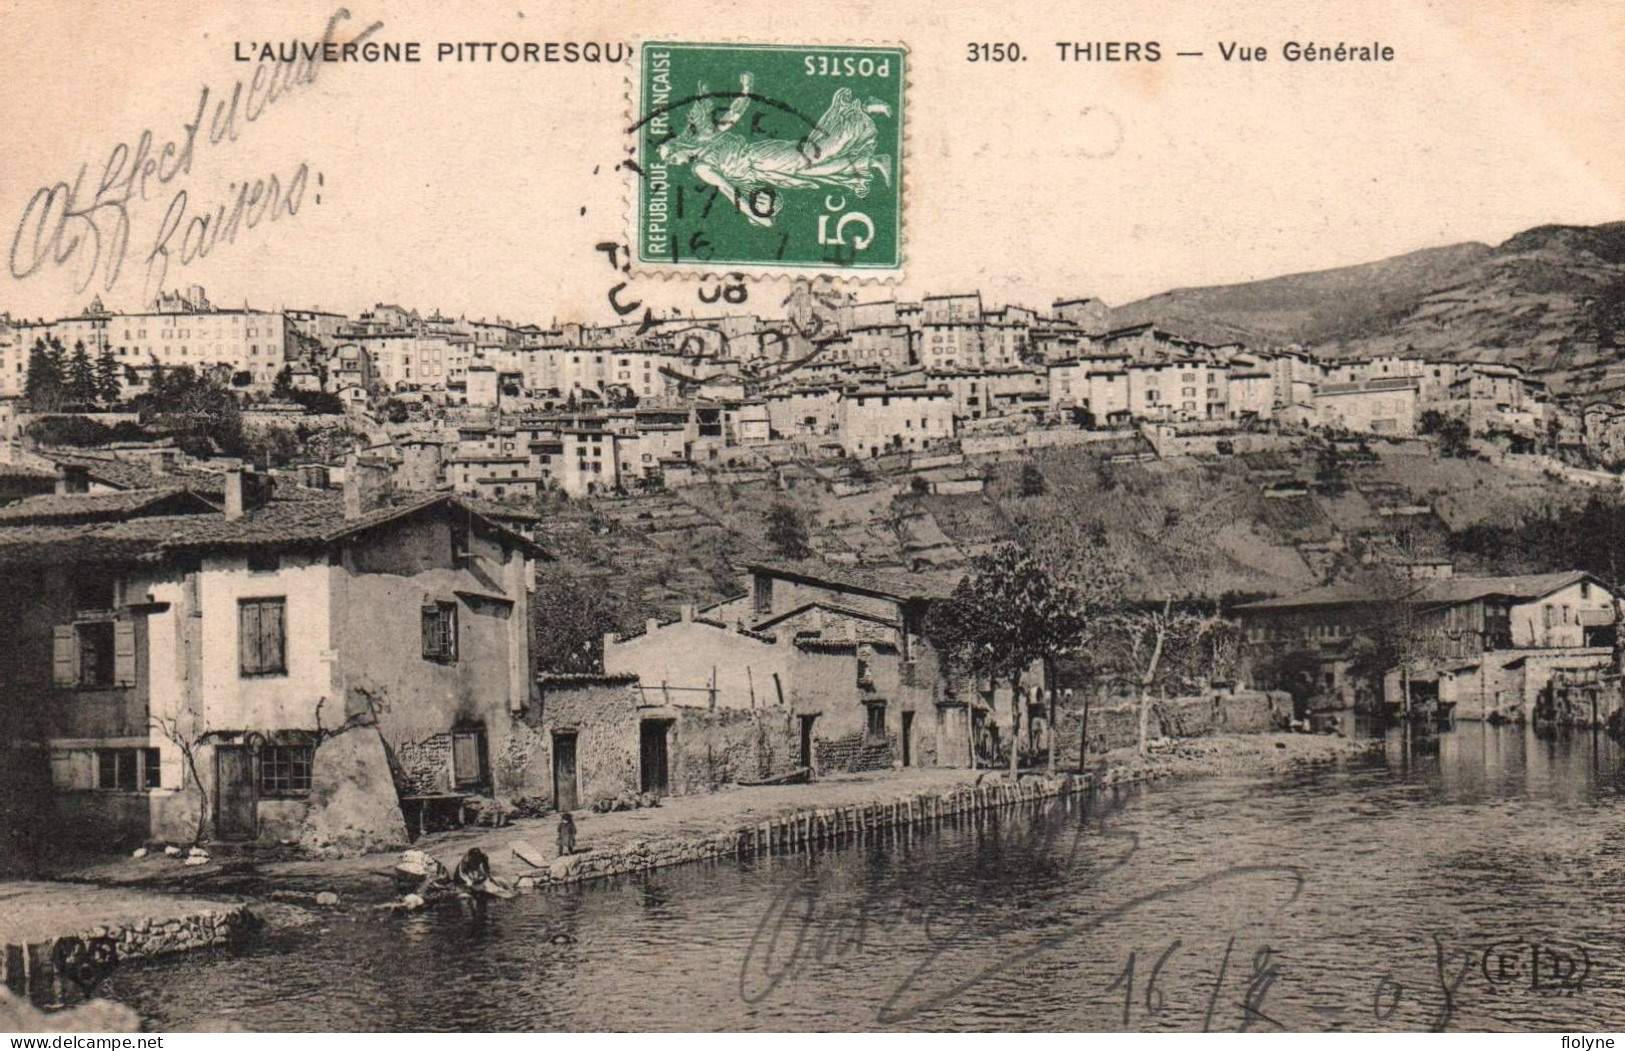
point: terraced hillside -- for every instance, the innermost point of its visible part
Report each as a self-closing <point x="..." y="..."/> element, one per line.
<point x="1266" y="523"/>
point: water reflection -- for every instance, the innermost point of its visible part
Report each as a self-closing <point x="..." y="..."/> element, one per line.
<point x="1413" y="891"/>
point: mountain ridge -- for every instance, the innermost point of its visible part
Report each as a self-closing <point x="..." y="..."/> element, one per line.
<point x="1536" y="300"/>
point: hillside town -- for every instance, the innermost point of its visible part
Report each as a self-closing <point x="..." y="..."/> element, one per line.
<point x="310" y="596"/>
<point x="217" y="616"/>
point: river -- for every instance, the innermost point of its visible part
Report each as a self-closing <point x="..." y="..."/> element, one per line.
<point x="1476" y="885"/>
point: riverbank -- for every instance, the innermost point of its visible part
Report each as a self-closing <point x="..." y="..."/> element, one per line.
<point x="50" y="930"/>
<point x="734" y="822"/>
<point x="140" y="907"/>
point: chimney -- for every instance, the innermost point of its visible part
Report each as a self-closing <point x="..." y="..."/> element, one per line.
<point x="368" y="486"/>
<point x="651" y="625"/>
<point x="686" y="612"/>
<point x="246" y="490"/>
<point x="234" y="493"/>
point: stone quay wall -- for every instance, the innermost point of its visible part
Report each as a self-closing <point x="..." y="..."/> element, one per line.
<point x="802" y="829"/>
<point x="47" y="969"/>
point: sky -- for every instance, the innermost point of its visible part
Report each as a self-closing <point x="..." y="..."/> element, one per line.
<point x="482" y="189"/>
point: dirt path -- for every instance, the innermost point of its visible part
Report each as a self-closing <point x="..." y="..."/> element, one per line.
<point x="368" y="879"/>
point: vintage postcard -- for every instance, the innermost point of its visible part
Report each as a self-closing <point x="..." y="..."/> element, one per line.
<point x="844" y="517"/>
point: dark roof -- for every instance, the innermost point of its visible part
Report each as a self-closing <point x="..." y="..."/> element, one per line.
<point x="96" y="507"/>
<point x="500" y="512"/>
<point x="1430" y="593"/>
<point x="23" y="470"/>
<point x="115" y="473"/>
<point x="858" y="581"/>
<point x="310" y="521"/>
<point x="842" y="611"/>
<point x="1466" y="589"/>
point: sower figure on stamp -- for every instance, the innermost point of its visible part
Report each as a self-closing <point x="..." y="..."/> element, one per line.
<point x="839" y="151"/>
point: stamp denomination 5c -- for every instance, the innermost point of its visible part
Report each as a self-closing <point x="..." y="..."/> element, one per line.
<point x="769" y="157"/>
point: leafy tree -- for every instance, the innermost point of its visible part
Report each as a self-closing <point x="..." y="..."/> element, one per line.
<point x="43" y="385"/>
<point x="68" y="430"/>
<point x="82" y="388"/>
<point x="108" y="374"/>
<point x="1454" y="436"/>
<point x="1329" y="472"/>
<point x="282" y="386"/>
<point x="1006" y="614"/>
<point x="1430" y="421"/>
<point x="787" y="532"/>
<point x="1032" y="480"/>
<point x="570" y="616"/>
<point x="201" y="410"/>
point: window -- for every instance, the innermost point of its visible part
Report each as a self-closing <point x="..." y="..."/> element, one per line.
<point x="459" y="538"/>
<point x="127" y="769"/>
<point x="1585" y="589"/>
<point x="285" y="769"/>
<point x="468" y="758"/>
<point x="95" y="654"/>
<point x="866" y="679"/>
<point x="876" y="721"/>
<point x="262" y="636"/>
<point x="261" y="561"/>
<point x="440" y="632"/>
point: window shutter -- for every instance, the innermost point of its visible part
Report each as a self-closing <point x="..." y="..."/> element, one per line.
<point x="124" y="653"/>
<point x="450" y="625"/>
<point x="273" y="637"/>
<point x="64" y="654"/>
<point x="248" y="636"/>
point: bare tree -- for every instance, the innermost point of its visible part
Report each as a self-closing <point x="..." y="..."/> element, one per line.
<point x="1144" y="638"/>
<point x="184" y="734"/>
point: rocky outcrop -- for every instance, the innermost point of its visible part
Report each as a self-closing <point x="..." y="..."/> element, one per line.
<point x="354" y="806"/>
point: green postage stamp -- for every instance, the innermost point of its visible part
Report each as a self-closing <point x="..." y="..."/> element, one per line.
<point x="769" y="157"/>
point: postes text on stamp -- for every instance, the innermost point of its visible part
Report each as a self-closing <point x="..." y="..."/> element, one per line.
<point x="769" y="157"/>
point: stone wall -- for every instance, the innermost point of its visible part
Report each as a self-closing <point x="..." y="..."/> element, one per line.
<point x="854" y="752"/>
<point x="425" y="765"/>
<point x="603" y="713"/>
<point x="801" y="829"/>
<point x="36" y="969"/>
<point x="710" y="749"/>
<point x="1114" y="722"/>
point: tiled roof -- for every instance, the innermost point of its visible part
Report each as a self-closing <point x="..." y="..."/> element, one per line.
<point x="862" y="582"/>
<point x="1528" y="586"/>
<point x="500" y="512"/>
<point x="23" y="470"/>
<point x="94" y="507"/>
<point x="108" y="471"/>
<point x="309" y="521"/>
<point x="1432" y="593"/>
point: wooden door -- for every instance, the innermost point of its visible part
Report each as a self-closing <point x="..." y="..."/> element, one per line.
<point x="236" y="802"/>
<point x="805" y="759"/>
<point x="565" y="796"/>
<point x="655" y="764"/>
<point x="908" y="738"/>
